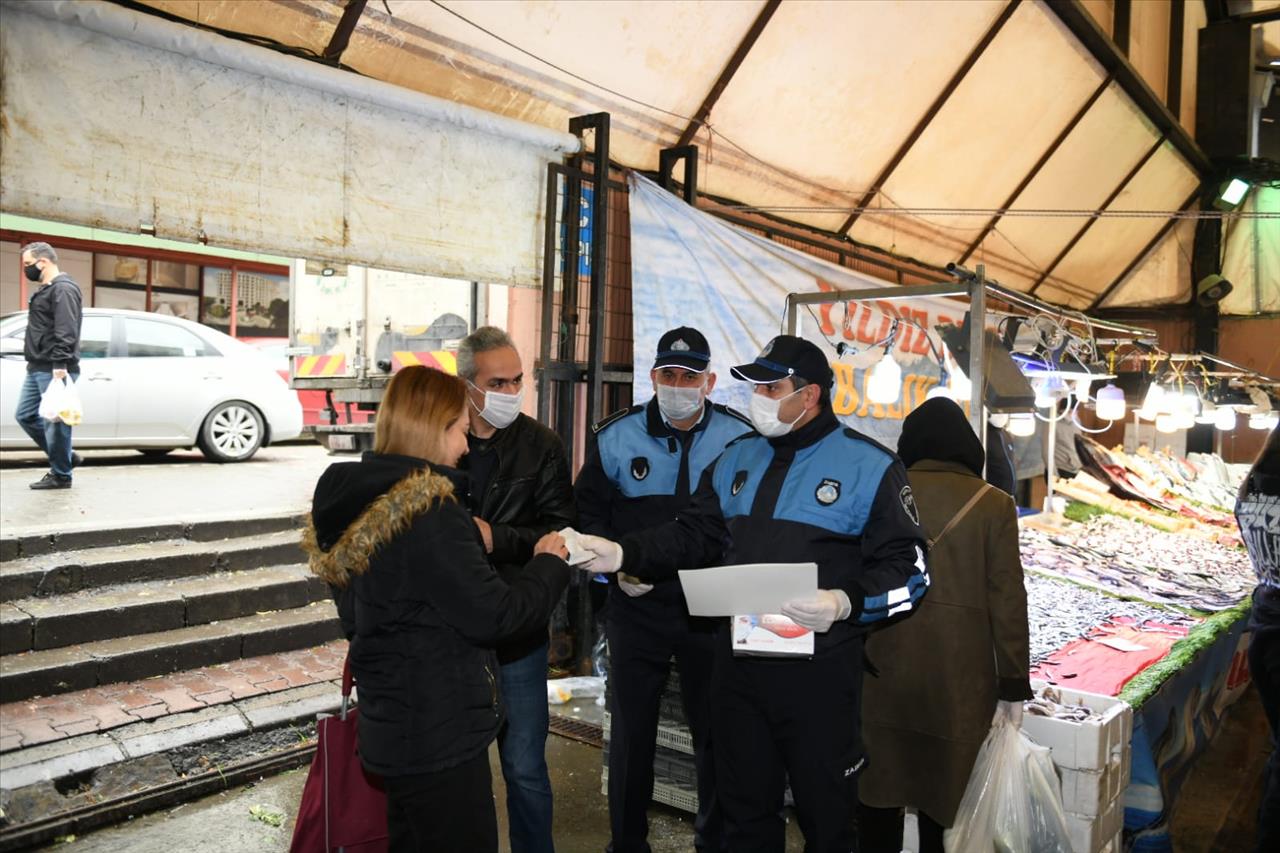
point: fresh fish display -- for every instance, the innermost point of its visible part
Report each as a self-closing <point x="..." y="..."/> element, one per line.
<point x="1130" y="559"/>
<point x="1060" y="612"/>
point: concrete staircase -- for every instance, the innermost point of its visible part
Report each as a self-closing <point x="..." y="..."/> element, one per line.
<point x="106" y="606"/>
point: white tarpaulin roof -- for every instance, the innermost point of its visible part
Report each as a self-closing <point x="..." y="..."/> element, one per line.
<point x="814" y="109"/>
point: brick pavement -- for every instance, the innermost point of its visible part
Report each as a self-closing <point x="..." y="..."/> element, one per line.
<point x="98" y="709"/>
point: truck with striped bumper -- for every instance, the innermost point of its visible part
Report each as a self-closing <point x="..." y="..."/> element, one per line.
<point x="351" y="328"/>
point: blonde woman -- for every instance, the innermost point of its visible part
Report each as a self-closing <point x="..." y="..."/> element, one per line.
<point x="423" y="609"/>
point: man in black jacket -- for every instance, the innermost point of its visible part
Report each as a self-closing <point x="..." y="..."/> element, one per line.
<point x="520" y="489"/>
<point x="52" y="350"/>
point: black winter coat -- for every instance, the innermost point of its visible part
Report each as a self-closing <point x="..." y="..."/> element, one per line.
<point x="529" y="495"/>
<point x="53" y="326"/>
<point x="423" y="609"/>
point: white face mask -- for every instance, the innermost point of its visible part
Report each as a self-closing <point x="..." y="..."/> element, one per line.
<point x="500" y="410"/>
<point x="764" y="415"/>
<point x="678" y="404"/>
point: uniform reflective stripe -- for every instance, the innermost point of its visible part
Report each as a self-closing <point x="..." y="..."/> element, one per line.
<point x="899" y="600"/>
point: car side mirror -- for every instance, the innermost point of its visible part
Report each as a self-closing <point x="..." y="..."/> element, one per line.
<point x="11" y="346"/>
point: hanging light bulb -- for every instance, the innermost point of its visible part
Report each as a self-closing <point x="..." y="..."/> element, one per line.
<point x="1082" y="389"/>
<point x="939" y="391"/>
<point x="1021" y="425"/>
<point x="1225" y="418"/>
<point x="885" y="383"/>
<point x="1264" y="420"/>
<point x="961" y="386"/>
<point x="1166" y="422"/>
<point x="1110" y="405"/>
<point x="1151" y="402"/>
<point x="1048" y="392"/>
<point x="1208" y="413"/>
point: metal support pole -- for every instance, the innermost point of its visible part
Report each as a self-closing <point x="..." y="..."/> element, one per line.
<point x="977" y="349"/>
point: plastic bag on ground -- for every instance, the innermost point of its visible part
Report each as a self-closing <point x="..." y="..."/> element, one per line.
<point x="1013" y="803"/>
<point x="561" y="690"/>
<point x="61" y="402"/>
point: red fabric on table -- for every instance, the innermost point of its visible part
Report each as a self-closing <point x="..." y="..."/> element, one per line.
<point x="1093" y="667"/>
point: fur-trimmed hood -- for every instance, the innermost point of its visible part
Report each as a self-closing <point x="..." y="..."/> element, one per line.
<point x="360" y="506"/>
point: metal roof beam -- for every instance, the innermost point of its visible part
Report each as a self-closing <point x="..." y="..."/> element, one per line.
<point x="934" y="109"/>
<point x="735" y="61"/>
<point x="1081" y="24"/>
<point x="1071" y="244"/>
<point x="342" y="32"/>
<point x="1035" y="170"/>
<point x="1155" y="241"/>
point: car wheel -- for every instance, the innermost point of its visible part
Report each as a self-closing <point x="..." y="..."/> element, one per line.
<point x="155" y="452"/>
<point x="232" y="433"/>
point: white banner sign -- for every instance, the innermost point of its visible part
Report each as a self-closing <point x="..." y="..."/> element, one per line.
<point x="689" y="268"/>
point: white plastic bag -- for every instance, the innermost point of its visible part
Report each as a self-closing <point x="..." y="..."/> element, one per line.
<point x="1013" y="803"/>
<point x="561" y="690"/>
<point x="61" y="402"/>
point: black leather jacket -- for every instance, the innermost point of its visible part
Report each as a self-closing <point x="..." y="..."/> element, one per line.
<point x="529" y="494"/>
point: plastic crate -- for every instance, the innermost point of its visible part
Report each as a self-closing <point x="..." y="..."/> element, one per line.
<point x="670" y="735"/>
<point x="680" y="798"/>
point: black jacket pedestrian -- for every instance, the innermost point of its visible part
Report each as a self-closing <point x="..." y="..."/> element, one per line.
<point x="528" y="494"/>
<point x="53" y="326"/>
<point x="423" y="609"/>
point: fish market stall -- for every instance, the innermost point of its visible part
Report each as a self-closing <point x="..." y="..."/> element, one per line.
<point x="1140" y="592"/>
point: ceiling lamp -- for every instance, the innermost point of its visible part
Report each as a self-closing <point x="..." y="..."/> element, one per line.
<point x="1022" y="425"/>
<point x="1110" y="405"/>
<point x="885" y="383"/>
<point x="1166" y="423"/>
<point x="1225" y="418"/>
<point x="939" y="391"/>
<point x="1151" y="402"/>
<point x="1264" y="421"/>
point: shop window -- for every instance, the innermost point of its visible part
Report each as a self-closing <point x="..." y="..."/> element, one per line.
<point x="262" y="303"/>
<point x="175" y="289"/>
<point x="145" y="339"/>
<point x="119" y="281"/>
<point x="95" y="336"/>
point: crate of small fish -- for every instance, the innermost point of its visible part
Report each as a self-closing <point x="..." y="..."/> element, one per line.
<point x="1083" y="730"/>
<point x="1088" y="737"/>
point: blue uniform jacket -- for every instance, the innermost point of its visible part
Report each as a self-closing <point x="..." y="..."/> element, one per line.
<point x="822" y="494"/>
<point x="641" y="473"/>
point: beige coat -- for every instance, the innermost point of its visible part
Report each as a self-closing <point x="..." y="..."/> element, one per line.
<point x="942" y="669"/>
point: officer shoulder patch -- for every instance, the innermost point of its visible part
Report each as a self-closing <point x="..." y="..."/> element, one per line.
<point x="853" y="433"/>
<point x="733" y="413"/>
<point x="739" y="480"/>
<point x="639" y="467"/>
<point x="909" y="504"/>
<point x="613" y="418"/>
<point x="828" y="491"/>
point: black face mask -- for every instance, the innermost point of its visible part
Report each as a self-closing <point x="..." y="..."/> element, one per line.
<point x="32" y="271"/>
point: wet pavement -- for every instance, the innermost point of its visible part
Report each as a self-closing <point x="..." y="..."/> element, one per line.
<point x="222" y="823"/>
<point x="123" y="488"/>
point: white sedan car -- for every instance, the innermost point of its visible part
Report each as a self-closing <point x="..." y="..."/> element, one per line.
<point x="155" y="383"/>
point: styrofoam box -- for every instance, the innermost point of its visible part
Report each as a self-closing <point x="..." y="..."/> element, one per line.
<point x="1090" y="834"/>
<point x="1088" y="745"/>
<point x="1087" y="792"/>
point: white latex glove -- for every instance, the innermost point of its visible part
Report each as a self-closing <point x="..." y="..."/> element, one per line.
<point x="820" y="612"/>
<point x="633" y="587"/>
<point x="1011" y="711"/>
<point x="608" y="554"/>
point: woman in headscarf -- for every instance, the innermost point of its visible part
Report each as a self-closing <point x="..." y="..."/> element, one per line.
<point x="961" y="661"/>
